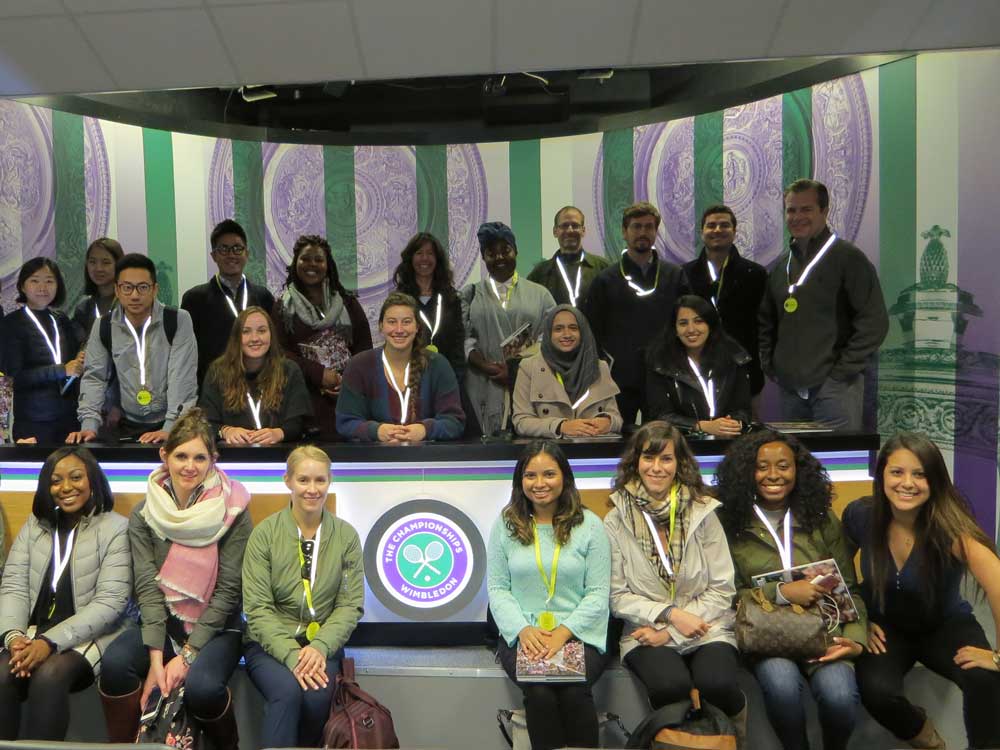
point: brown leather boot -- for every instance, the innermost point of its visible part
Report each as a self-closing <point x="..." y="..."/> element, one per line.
<point x="221" y="730"/>
<point x="121" y="714"/>
<point x="928" y="738"/>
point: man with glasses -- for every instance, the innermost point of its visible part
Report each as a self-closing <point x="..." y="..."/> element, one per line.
<point x="214" y="306"/>
<point x="570" y="272"/>
<point x="149" y="350"/>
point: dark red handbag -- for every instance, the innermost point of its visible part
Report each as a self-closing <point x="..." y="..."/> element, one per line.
<point x="357" y="720"/>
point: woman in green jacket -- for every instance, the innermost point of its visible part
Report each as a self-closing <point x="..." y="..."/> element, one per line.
<point x="303" y="592"/>
<point x="776" y="501"/>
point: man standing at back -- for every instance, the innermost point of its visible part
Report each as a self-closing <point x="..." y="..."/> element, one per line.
<point x="570" y="272"/>
<point x="732" y="283"/>
<point x="152" y="352"/>
<point x="629" y="304"/>
<point x="214" y="306"/>
<point x="822" y="317"/>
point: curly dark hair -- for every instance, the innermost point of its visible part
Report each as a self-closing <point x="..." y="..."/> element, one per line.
<point x="405" y="278"/>
<point x="809" y="500"/>
<point x="652" y="438"/>
<point x="314" y="240"/>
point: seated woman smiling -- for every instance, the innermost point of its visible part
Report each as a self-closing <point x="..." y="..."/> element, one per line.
<point x="400" y="392"/>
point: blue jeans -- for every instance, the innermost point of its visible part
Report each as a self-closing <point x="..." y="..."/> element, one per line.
<point x="293" y="717"/>
<point x="834" y="689"/>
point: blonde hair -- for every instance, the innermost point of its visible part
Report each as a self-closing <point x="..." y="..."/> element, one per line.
<point x="306" y="453"/>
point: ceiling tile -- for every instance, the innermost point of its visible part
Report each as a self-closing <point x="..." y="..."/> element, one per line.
<point x="183" y="51"/>
<point x="244" y="2"/>
<point x="552" y="34"/>
<point x="684" y="31"/>
<point x="104" y="6"/>
<point x="292" y="42"/>
<point x="413" y="40"/>
<point x="14" y="8"/>
<point x="958" y="23"/>
<point x="48" y="56"/>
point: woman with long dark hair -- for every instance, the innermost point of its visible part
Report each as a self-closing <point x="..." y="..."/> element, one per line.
<point x="42" y="354"/>
<point x="548" y="567"/>
<point x="671" y="575"/>
<point x="424" y="273"/>
<point x="320" y="325"/>
<point x="253" y="393"/>
<point x="187" y="539"/>
<point x="400" y="392"/>
<point x="62" y="602"/>
<point x="98" y="284"/>
<point x="918" y="539"/>
<point x="776" y="499"/>
<point x="696" y="376"/>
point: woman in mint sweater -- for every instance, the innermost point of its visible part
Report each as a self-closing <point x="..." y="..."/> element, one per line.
<point x="303" y="594"/>
<point x="549" y="572"/>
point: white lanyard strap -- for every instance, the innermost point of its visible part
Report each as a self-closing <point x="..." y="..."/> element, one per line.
<point x="229" y="301"/>
<point x="706" y="387"/>
<point x="581" y="399"/>
<point x="140" y="346"/>
<point x="506" y="298"/>
<point x="639" y="291"/>
<point x="715" y="277"/>
<point x="816" y="259"/>
<point x="315" y="560"/>
<point x="60" y="560"/>
<point x="784" y="550"/>
<point x="404" y="395"/>
<point x="573" y="290"/>
<point x="437" y="319"/>
<point x="97" y="311"/>
<point x="53" y="347"/>
<point x="664" y="558"/>
<point x="255" y="408"/>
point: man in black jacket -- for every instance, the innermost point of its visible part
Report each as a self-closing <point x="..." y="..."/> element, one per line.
<point x="732" y="283"/>
<point x="630" y="302"/>
<point x="214" y="306"/>
<point x="822" y="318"/>
<point x="570" y="272"/>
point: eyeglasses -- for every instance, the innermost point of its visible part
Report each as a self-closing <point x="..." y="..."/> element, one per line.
<point x="569" y="226"/>
<point x="230" y="249"/>
<point x="125" y="288"/>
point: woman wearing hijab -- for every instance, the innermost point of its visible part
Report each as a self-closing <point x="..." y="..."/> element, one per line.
<point x="502" y="315"/>
<point x="321" y="325"/>
<point x="565" y="390"/>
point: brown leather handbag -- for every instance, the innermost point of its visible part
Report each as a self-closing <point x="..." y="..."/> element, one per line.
<point x="764" y="628"/>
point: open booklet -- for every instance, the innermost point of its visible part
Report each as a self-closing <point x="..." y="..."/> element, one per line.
<point x="826" y="574"/>
<point x="566" y="666"/>
<point x="518" y="344"/>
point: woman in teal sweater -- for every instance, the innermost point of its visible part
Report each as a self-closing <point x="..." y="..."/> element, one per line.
<point x="549" y="573"/>
<point x="303" y="593"/>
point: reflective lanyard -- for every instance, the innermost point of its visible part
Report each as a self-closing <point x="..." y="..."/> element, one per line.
<point x="510" y="290"/>
<point x="784" y="550"/>
<point x="816" y="259"/>
<point x="437" y="319"/>
<point x="664" y="558"/>
<point x="639" y="291"/>
<point x="579" y="400"/>
<point x="404" y="396"/>
<point x="308" y="584"/>
<point x="60" y="561"/>
<point x="550" y="583"/>
<point x="53" y="347"/>
<point x="97" y="311"/>
<point x="706" y="387"/>
<point x="574" y="290"/>
<point x="229" y="301"/>
<point x="255" y="408"/>
<point x="140" y="346"/>
<point x="720" y="276"/>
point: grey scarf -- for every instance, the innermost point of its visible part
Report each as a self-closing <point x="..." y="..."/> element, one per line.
<point x="333" y="312"/>
<point x="578" y="369"/>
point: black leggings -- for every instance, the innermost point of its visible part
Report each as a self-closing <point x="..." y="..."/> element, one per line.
<point x="880" y="680"/>
<point x="558" y="715"/>
<point x="669" y="675"/>
<point x="46" y="692"/>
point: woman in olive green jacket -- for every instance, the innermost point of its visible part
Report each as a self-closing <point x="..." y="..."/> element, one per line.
<point x="776" y="501"/>
<point x="303" y="593"/>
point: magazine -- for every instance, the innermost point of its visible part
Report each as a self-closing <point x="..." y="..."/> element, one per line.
<point x="824" y="573"/>
<point x="798" y="427"/>
<point x="566" y="666"/>
<point x="517" y="344"/>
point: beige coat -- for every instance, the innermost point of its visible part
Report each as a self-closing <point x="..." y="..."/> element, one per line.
<point x="704" y="584"/>
<point x="541" y="403"/>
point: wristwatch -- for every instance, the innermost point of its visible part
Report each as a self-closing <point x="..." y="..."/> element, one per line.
<point x="996" y="658"/>
<point x="189" y="654"/>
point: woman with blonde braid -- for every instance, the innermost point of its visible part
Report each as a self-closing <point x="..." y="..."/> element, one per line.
<point x="400" y="392"/>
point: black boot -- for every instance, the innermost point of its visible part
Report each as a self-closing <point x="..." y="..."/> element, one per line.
<point x="221" y="731"/>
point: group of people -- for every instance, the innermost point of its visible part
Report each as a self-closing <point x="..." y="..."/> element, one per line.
<point x="672" y="554"/>
<point x="690" y="345"/>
